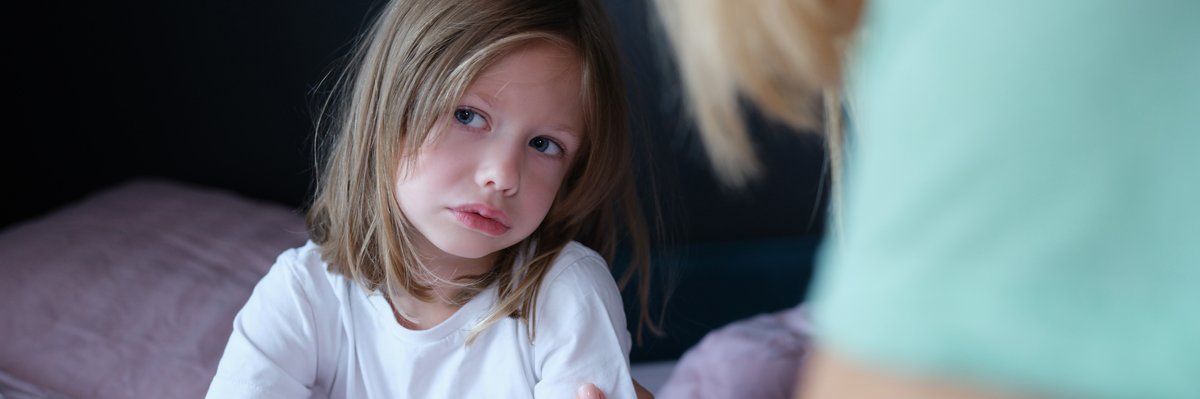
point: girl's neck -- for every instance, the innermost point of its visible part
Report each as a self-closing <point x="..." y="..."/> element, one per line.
<point x="450" y="268"/>
<point x="449" y="273"/>
<point x="421" y="315"/>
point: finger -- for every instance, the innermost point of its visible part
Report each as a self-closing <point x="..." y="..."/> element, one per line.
<point x="589" y="391"/>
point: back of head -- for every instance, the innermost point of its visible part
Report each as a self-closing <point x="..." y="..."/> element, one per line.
<point x="779" y="54"/>
<point x="412" y="68"/>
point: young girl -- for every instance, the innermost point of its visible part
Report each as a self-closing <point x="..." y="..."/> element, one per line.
<point x="477" y="140"/>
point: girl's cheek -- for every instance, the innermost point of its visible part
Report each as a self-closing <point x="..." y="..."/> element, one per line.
<point x="549" y="176"/>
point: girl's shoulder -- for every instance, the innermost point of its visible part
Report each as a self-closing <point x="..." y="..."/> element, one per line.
<point x="576" y="263"/>
<point x="579" y="279"/>
<point x="303" y="260"/>
<point x="305" y="270"/>
<point x="575" y="252"/>
<point x="579" y="315"/>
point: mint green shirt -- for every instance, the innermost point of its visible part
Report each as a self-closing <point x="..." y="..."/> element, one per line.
<point x="1022" y="202"/>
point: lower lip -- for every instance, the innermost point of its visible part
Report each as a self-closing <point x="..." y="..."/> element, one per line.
<point x="480" y="223"/>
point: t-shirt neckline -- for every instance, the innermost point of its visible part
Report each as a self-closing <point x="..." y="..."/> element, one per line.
<point x="462" y="319"/>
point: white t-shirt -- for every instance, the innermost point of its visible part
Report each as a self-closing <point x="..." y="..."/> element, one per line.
<point x="307" y="332"/>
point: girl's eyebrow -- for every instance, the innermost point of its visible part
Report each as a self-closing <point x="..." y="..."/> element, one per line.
<point x="488" y="101"/>
<point x="564" y="130"/>
<point x="483" y="98"/>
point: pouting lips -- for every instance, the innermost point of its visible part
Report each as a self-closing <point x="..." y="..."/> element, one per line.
<point x="477" y="220"/>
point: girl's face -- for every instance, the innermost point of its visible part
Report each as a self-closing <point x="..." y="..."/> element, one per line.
<point x="489" y="177"/>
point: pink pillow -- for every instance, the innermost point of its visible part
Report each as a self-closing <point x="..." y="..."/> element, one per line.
<point x="758" y="357"/>
<point x="131" y="292"/>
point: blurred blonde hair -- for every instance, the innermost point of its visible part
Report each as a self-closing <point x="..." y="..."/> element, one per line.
<point x="782" y="55"/>
<point x="412" y="69"/>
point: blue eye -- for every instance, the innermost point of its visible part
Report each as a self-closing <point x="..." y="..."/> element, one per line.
<point x="469" y="118"/>
<point x="546" y="145"/>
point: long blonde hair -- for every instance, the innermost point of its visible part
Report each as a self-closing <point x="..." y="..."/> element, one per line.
<point x="410" y="70"/>
<point x="783" y="55"/>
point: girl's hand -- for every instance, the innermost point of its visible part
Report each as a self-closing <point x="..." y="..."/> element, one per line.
<point x="589" y="391"/>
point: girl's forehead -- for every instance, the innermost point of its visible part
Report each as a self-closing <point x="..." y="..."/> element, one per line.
<point x="550" y="60"/>
<point x="540" y="81"/>
<point x="536" y="66"/>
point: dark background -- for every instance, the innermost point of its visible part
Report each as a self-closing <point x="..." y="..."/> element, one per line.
<point x="223" y="94"/>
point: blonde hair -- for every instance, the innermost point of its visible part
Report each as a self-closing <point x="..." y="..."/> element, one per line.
<point x="412" y="68"/>
<point x="780" y="54"/>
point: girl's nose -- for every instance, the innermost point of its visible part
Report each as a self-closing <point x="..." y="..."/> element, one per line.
<point x="500" y="169"/>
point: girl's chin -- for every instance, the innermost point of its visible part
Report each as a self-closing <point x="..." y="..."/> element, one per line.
<point x="465" y="250"/>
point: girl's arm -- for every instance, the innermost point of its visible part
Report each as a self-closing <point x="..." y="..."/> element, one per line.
<point x="271" y="352"/>
<point x="589" y="391"/>
<point x="581" y="335"/>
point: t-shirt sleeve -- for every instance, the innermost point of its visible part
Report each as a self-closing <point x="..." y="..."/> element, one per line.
<point x="581" y="334"/>
<point x="1021" y="202"/>
<point x="272" y="351"/>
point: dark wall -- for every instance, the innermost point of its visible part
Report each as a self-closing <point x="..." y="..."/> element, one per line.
<point x="223" y="93"/>
<point x="214" y="93"/>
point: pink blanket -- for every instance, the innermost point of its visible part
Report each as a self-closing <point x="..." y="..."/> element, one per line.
<point x="758" y="357"/>
<point x="131" y="293"/>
